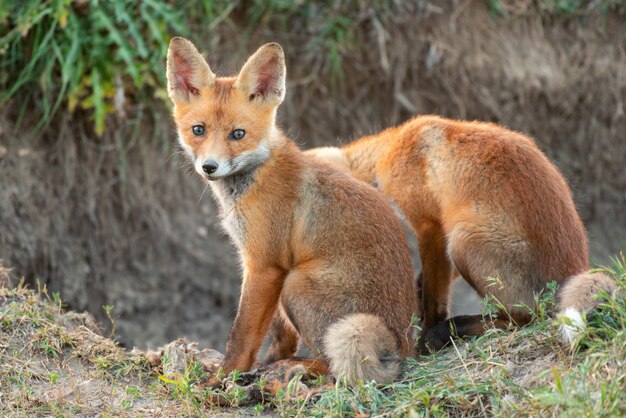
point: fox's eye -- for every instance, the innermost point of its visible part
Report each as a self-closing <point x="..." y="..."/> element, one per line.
<point x="237" y="134"/>
<point x="198" y="130"/>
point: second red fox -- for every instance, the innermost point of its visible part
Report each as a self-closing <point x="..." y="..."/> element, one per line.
<point x="324" y="257"/>
<point x="486" y="203"/>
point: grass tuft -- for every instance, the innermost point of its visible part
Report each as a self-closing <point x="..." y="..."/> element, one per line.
<point x="95" y="55"/>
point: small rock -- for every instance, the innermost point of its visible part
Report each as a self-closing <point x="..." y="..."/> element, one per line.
<point x="177" y="358"/>
<point x="203" y="231"/>
<point x="179" y="353"/>
<point x="210" y="359"/>
<point x="3" y="151"/>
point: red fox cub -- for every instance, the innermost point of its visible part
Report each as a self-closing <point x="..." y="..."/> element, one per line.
<point x="323" y="255"/>
<point x="486" y="203"/>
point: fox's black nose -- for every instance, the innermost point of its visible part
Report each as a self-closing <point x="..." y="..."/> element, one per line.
<point x="209" y="166"/>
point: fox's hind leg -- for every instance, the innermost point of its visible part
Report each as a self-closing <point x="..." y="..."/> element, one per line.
<point x="436" y="274"/>
<point x="461" y="326"/>
<point x="307" y="367"/>
<point x="283" y="340"/>
<point x="355" y="345"/>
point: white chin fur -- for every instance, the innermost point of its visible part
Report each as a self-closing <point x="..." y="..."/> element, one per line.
<point x="573" y="326"/>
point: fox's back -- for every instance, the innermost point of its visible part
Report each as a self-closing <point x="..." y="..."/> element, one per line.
<point x="483" y="176"/>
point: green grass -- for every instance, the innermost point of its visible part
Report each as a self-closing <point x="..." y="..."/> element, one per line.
<point x="54" y="362"/>
<point x="108" y="57"/>
<point x="95" y="55"/>
<point x="520" y="372"/>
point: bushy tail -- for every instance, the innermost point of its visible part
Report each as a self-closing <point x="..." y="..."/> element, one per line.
<point x="577" y="296"/>
<point x="360" y="347"/>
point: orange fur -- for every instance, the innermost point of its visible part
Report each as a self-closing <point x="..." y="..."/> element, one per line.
<point x="317" y="247"/>
<point x="483" y="200"/>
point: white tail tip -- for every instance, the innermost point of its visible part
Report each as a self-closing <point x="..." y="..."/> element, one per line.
<point x="572" y="326"/>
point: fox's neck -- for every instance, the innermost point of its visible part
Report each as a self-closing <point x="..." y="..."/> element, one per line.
<point x="270" y="188"/>
<point x="229" y="189"/>
<point x="363" y="154"/>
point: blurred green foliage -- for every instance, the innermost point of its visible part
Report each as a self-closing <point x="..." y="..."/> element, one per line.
<point x="102" y="55"/>
<point x="88" y="53"/>
<point x="105" y="56"/>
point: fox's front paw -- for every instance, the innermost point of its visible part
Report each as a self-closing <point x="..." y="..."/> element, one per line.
<point x="213" y="392"/>
<point x="214" y="383"/>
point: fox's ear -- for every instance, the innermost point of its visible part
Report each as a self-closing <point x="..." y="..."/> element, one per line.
<point x="262" y="77"/>
<point x="187" y="71"/>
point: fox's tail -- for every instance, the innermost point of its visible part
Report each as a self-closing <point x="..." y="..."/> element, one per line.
<point x="577" y="295"/>
<point x="360" y="347"/>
